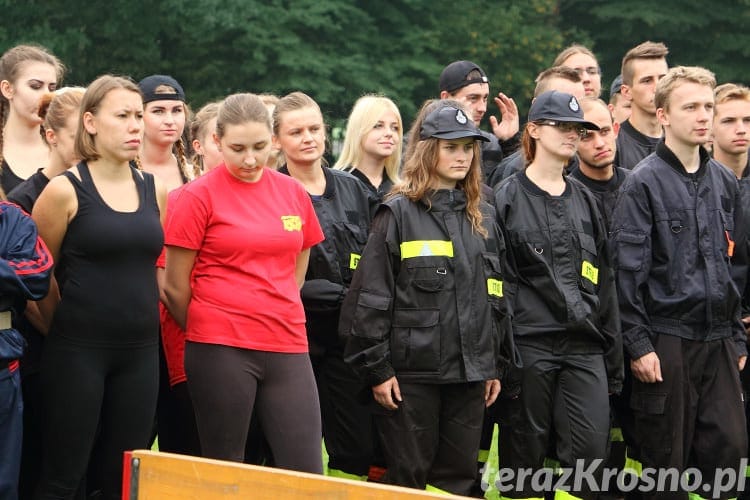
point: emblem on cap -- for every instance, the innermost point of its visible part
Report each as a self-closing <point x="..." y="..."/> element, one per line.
<point x="461" y="117"/>
<point x="573" y="104"/>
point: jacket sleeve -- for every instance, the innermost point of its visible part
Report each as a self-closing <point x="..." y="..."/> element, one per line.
<point x="609" y="311"/>
<point x="366" y="314"/>
<point x="631" y="254"/>
<point x="25" y="262"/>
<point x="740" y="268"/>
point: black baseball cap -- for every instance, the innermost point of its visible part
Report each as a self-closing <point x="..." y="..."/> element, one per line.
<point x="449" y="122"/>
<point x="560" y="107"/>
<point x="454" y="76"/>
<point x="616" y="86"/>
<point x="149" y="85"/>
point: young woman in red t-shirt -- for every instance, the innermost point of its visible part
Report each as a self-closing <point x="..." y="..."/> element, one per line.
<point x="238" y="245"/>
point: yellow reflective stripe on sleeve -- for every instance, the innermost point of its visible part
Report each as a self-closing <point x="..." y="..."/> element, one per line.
<point x="615" y="435"/>
<point x="483" y="456"/>
<point x="494" y="287"/>
<point x="527" y="498"/>
<point x="435" y="489"/>
<point x="426" y="248"/>
<point x="354" y="260"/>
<point x="590" y="272"/>
<point x="632" y="465"/>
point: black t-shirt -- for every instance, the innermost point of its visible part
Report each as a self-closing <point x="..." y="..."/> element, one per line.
<point x="633" y="146"/>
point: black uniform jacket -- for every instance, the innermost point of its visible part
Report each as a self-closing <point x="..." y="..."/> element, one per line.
<point x="680" y="251"/>
<point x="605" y="192"/>
<point x="344" y="211"/>
<point x="426" y="303"/>
<point x="561" y="284"/>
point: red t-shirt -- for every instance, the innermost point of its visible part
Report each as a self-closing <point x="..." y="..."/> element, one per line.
<point x="248" y="237"/>
<point x="172" y="336"/>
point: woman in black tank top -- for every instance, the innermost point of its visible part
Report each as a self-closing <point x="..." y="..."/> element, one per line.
<point x="102" y="223"/>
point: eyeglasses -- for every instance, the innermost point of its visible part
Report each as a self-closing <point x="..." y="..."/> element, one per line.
<point x="566" y="127"/>
<point x="589" y="70"/>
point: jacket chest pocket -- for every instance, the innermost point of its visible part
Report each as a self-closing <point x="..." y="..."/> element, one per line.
<point x="415" y="340"/>
<point x="429" y="274"/>
<point x="589" y="264"/>
<point x="532" y="251"/>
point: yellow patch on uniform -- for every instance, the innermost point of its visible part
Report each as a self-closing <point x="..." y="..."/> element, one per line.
<point x="494" y="287"/>
<point x="590" y="272"/>
<point x="291" y="222"/>
<point x="354" y="260"/>
<point x="426" y="248"/>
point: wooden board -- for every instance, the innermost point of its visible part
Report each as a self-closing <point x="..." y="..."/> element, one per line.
<point x="149" y="475"/>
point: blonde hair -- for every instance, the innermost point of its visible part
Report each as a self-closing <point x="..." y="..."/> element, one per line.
<point x="731" y="92"/>
<point x="418" y="173"/>
<point x="646" y="50"/>
<point x="365" y="114"/>
<point x="85" y="145"/>
<point x="199" y="127"/>
<point x="678" y="75"/>
<point x="293" y="102"/>
<point x="574" y="49"/>
<point x="56" y="107"/>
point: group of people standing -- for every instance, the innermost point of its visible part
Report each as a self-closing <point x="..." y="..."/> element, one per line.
<point x="244" y="301"/>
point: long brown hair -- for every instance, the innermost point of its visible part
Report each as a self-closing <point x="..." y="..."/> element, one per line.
<point x="418" y="178"/>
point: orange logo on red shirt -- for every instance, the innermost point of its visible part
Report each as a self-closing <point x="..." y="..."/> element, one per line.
<point x="291" y="222"/>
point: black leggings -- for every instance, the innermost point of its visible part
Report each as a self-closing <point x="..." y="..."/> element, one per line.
<point x="85" y="389"/>
<point x="225" y="384"/>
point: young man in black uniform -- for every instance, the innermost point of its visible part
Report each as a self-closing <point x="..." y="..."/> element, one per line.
<point x="618" y="105"/>
<point x="681" y="259"/>
<point x="642" y="67"/>
<point x="596" y="167"/>
<point x="467" y="83"/>
<point x="731" y="133"/>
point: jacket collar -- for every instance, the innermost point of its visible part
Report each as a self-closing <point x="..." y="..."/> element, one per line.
<point x="666" y="154"/>
<point x="445" y="200"/>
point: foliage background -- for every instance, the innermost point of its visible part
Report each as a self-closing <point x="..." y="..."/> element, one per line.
<point x="337" y="50"/>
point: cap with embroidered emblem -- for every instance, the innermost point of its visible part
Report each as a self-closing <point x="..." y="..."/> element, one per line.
<point x="449" y="122"/>
<point x="558" y="106"/>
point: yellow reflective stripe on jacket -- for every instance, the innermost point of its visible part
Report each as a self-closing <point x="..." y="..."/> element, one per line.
<point x="354" y="260"/>
<point x="590" y="272"/>
<point x="426" y="248"/>
<point x="494" y="287"/>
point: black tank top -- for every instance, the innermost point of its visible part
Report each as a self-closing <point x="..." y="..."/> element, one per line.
<point x="8" y="178"/>
<point x="108" y="274"/>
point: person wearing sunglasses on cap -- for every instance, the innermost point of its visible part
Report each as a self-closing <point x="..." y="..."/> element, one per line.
<point x="561" y="292"/>
<point x="425" y="316"/>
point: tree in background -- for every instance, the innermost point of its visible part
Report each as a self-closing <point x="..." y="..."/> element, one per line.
<point x="337" y="50"/>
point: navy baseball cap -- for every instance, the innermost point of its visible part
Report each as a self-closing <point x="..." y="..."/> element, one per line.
<point x="560" y="107"/>
<point x="616" y="86"/>
<point x="454" y="76"/>
<point x="149" y="85"/>
<point x="449" y="122"/>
